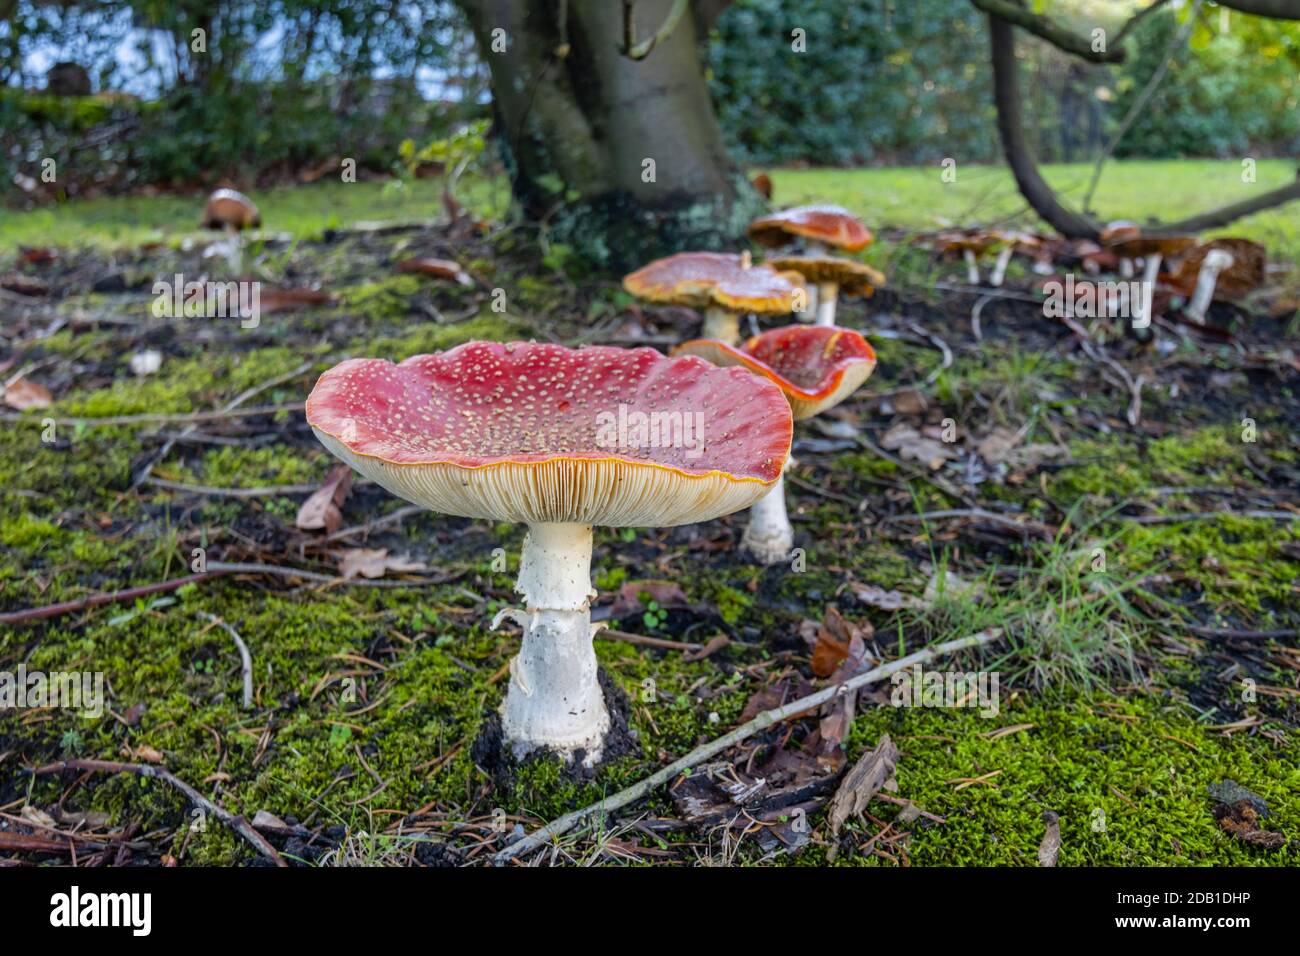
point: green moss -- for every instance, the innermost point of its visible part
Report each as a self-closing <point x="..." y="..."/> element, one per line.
<point x="1129" y="792"/>
<point x="430" y="337"/>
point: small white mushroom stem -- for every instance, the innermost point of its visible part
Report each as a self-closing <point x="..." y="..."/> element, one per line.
<point x="721" y="324"/>
<point x="809" y="311"/>
<point x="972" y="266"/>
<point x="554" y="701"/>
<point x="828" y="294"/>
<point x="1215" y="261"/>
<point x="1000" y="267"/>
<point x="769" y="536"/>
<point x="1147" y="291"/>
<point x="1126" y="268"/>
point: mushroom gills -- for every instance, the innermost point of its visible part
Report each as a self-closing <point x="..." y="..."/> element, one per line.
<point x="769" y="536"/>
<point x="554" y="701"/>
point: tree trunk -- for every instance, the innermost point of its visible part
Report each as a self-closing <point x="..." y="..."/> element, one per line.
<point x="622" y="158"/>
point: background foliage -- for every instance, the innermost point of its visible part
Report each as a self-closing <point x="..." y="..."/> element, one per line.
<point x="291" y="84"/>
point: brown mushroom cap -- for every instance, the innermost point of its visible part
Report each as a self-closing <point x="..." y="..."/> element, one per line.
<point x="853" y="277"/>
<point x="701" y="279"/>
<point x="230" y="208"/>
<point x="1167" y="246"/>
<point x="1238" y="280"/>
<point x="832" y="225"/>
<point x="1120" y="230"/>
<point x="976" y="241"/>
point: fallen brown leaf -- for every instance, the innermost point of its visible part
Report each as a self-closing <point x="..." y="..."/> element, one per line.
<point x="23" y="394"/>
<point x="437" y="268"/>
<point x="375" y="563"/>
<point x="321" y="510"/>
<point x="1241" y="819"/>
<point x="1050" y="848"/>
<point x="862" y="783"/>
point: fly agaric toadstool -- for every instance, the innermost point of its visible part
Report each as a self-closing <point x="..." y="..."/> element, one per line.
<point x="816" y="368"/>
<point x="831" y="276"/>
<point x="817" y="228"/>
<point x="723" y="284"/>
<point x="230" y="210"/>
<point x="560" y="439"/>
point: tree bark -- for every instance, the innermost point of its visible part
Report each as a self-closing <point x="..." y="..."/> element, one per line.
<point x="622" y="158"/>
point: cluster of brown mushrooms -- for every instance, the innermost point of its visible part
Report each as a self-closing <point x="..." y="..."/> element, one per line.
<point x="565" y="439"/>
<point x="1182" y="266"/>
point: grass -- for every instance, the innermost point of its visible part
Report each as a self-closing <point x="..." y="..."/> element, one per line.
<point x="917" y="198"/>
<point x="910" y="198"/>
<point x="304" y="211"/>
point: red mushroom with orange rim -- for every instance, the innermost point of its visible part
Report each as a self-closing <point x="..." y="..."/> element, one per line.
<point x="560" y="439"/>
<point x="816" y="367"/>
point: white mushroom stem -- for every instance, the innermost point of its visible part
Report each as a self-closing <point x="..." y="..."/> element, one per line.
<point x="1147" y="292"/>
<point x="827" y="295"/>
<point x="721" y="324"/>
<point x="769" y="536"/>
<point x="972" y="266"/>
<point x="1126" y="268"/>
<point x="1000" y="267"/>
<point x="809" y="311"/>
<point x="554" y="701"/>
<point x="1215" y="261"/>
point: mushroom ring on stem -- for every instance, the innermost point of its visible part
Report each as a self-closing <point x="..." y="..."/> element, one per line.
<point x="725" y="285"/>
<point x="560" y="439"/>
<point x="816" y="367"/>
<point x="831" y="276"/>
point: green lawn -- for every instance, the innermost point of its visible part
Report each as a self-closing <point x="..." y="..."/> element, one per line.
<point x="1134" y="189"/>
<point x="904" y="197"/>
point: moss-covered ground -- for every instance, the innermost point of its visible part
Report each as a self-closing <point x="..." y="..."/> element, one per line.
<point x="1138" y="573"/>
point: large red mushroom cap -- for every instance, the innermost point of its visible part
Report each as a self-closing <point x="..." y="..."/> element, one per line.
<point x="533" y="432"/>
<point x="831" y="225"/>
<point x="815" y="366"/>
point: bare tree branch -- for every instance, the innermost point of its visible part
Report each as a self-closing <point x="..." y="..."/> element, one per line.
<point x="1272" y="9"/>
<point x="1226" y="214"/>
<point x="1045" y="28"/>
<point x="1041" y="197"/>
<point x="1006" y="94"/>
<point x="639" y="51"/>
<point x="1139" y="104"/>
